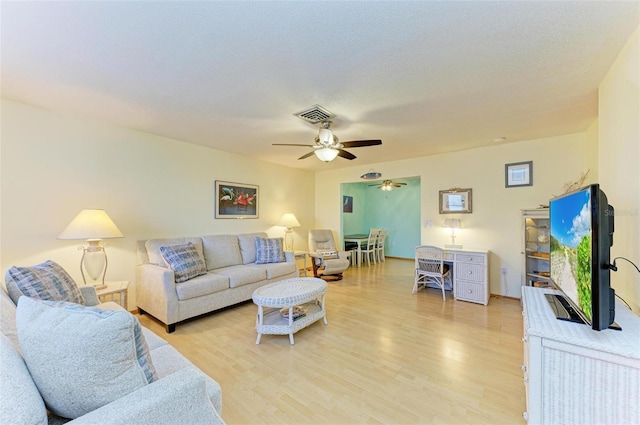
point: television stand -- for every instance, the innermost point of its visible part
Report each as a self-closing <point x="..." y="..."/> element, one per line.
<point x="562" y="309"/>
<point x="573" y="374"/>
<point x="565" y="311"/>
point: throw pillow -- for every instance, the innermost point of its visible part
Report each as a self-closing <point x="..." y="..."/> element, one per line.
<point x="82" y="358"/>
<point x="184" y="261"/>
<point x="46" y="281"/>
<point x="269" y="250"/>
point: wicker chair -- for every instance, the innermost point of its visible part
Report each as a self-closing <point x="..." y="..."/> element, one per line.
<point x="327" y="261"/>
<point x="430" y="268"/>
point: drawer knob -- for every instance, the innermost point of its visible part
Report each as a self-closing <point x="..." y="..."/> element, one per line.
<point x="470" y="258"/>
<point x="525" y="339"/>
<point x="526" y="378"/>
<point x="525" y="415"/>
<point x="470" y="272"/>
<point x="523" y="368"/>
<point x="470" y="291"/>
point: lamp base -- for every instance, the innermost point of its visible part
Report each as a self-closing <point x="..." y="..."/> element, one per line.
<point x="453" y="246"/>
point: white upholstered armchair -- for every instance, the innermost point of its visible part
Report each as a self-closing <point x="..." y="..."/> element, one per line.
<point x="327" y="260"/>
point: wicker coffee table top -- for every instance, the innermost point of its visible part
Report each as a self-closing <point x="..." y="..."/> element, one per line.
<point x="289" y="292"/>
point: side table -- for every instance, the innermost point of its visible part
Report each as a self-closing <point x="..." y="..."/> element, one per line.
<point x="119" y="288"/>
<point x="301" y="255"/>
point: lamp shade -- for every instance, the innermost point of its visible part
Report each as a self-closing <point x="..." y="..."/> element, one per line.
<point x="289" y="220"/>
<point x="453" y="223"/>
<point x="326" y="154"/>
<point x="91" y="224"/>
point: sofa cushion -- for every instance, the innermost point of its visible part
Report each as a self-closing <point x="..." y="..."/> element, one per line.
<point x="248" y="246"/>
<point x="241" y="275"/>
<point x="221" y="251"/>
<point x="275" y="270"/>
<point x="202" y="285"/>
<point x="269" y="250"/>
<point x="8" y="319"/>
<point x="153" y="248"/>
<point x="184" y="261"/>
<point x="81" y="357"/>
<point x="45" y="281"/>
<point x="21" y="402"/>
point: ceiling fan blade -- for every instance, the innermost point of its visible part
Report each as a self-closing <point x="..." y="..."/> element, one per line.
<point x="306" y="155"/>
<point x="375" y="185"/>
<point x="361" y="143"/>
<point x="291" y="144"/>
<point x="344" y="154"/>
<point x="398" y="184"/>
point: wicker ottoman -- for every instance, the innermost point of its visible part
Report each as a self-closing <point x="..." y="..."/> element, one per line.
<point x="306" y="292"/>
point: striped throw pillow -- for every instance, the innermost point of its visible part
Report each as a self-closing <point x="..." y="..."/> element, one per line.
<point x="47" y="281"/>
<point x="269" y="250"/>
<point x="184" y="261"/>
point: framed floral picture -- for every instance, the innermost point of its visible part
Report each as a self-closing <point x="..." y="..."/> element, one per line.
<point x="236" y="200"/>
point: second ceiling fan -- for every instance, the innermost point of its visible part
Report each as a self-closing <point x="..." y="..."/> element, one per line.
<point x="388" y="185"/>
<point x="327" y="146"/>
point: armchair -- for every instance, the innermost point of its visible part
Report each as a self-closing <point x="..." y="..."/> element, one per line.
<point x="328" y="263"/>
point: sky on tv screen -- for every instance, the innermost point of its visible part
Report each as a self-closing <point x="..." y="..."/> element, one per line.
<point x="571" y="218"/>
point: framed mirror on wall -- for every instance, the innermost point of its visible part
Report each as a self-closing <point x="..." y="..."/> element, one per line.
<point x="456" y="201"/>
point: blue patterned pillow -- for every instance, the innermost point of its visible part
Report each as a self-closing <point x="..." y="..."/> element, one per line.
<point x="82" y="358"/>
<point x="269" y="250"/>
<point x="184" y="261"/>
<point x="47" y="281"/>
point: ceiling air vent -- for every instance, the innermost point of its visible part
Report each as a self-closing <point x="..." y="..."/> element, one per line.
<point x="315" y="114"/>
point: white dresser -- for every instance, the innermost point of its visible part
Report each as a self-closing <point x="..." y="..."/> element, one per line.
<point x="470" y="274"/>
<point x="575" y="375"/>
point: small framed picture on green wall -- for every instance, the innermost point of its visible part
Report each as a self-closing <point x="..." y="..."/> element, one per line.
<point x="347" y="204"/>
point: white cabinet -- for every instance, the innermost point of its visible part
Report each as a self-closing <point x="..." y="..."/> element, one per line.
<point x="536" y="238"/>
<point x="470" y="275"/>
<point x="575" y="375"/>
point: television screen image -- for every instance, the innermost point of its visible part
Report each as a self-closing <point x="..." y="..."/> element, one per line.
<point x="571" y="248"/>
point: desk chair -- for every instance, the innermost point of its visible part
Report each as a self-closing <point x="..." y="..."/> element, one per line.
<point x="328" y="263"/>
<point x="430" y="268"/>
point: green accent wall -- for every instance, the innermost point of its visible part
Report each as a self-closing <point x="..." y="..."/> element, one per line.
<point x="398" y="211"/>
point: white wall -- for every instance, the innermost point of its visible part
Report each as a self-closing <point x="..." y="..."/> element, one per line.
<point x="619" y="169"/>
<point x="55" y="165"/>
<point x="495" y="221"/>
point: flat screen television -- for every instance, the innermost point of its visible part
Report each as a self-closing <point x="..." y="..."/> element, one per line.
<point x="581" y="238"/>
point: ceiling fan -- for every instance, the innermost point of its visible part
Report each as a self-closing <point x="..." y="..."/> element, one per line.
<point x="327" y="146"/>
<point x="388" y="185"/>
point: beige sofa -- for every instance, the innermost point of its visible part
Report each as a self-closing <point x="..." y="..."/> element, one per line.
<point x="232" y="276"/>
<point x="182" y="394"/>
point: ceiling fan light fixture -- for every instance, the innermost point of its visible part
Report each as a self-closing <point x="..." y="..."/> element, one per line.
<point x="326" y="154"/>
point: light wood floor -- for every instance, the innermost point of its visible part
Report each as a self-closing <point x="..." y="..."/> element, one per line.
<point x="386" y="357"/>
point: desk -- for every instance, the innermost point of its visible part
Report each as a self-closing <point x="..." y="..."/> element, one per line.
<point x="358" y="239"/>
<point x="470" y="274"/>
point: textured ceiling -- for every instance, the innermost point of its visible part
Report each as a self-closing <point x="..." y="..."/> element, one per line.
<point x="425" y="77"/>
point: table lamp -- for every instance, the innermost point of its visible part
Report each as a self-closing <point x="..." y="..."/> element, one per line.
<point x="289" y="221"/>
<point x="453" y="224"/>
<point x="93" y="226"/>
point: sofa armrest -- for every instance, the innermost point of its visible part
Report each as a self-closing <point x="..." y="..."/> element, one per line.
<point x="90" y="295"/>
<point x="179" y="398"/>
<point x="156" y="292"/>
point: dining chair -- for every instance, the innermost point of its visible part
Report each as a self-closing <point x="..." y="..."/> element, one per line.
<point x="430" y="268"/>
<point x="370" y="248"/>
<point x="382" y="235"/>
